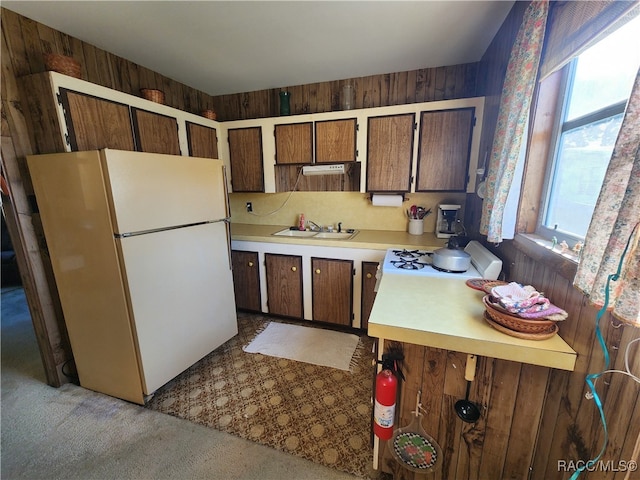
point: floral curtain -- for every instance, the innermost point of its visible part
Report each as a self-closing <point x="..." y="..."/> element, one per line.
<point x="512" y="117"/>
<point x="615" y="228"/>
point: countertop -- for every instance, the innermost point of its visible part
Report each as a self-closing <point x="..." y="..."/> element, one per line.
<point x="370" y="239"/>
<point x="429" y="311"/>
<point x="447" y="314"/>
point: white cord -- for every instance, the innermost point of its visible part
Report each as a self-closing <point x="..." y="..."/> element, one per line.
<point x="284" y="203"/>
<point x="626" y="371"/>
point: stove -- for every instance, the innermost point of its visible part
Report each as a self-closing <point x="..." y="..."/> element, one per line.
<point x="418" y="262"/>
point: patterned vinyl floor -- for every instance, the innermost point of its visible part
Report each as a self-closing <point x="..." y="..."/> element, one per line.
<point x="318" y="413"/>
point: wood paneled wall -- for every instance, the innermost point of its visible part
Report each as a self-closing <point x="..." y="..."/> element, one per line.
<point x="415" y="86"/>
<point x="534" y="417"/>
<point x="24" y="42"/>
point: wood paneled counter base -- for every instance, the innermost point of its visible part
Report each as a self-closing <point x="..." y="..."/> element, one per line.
<point x="438" y="322"/>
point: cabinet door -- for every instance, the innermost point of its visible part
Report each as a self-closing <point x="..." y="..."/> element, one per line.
<point x="202" y="140"/>
<point x="246" y="280"/>
<point x="245" y="156"/>
<point x="389" y="153"/>
<point x="369" y="270"/>
<point x="94" y="123"/>
<point x="336" y="141"/>
<point x="444" y="149"/>
<point x="284" y="284"/>
<point x="332" y="287"/>
<point x="294" y="143"/>
<point x="155" y="133"/>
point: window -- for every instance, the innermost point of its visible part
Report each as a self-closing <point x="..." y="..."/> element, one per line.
<point x="598" y="85"/>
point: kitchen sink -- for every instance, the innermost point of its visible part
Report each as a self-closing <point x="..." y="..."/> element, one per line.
<point x="335" y="235"/>
<point x="295" y="233"/>
<point x="310" y="234"/>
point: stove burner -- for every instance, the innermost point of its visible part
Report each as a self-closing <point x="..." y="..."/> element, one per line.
<point x="408" y="264"/>
<point x="408" y="254"/>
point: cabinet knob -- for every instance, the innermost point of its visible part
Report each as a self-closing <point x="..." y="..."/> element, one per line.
<point x="294" y="269"/>
<point x="317" y="271"/>
<point x="250" y="264"/>
<point x="369" y="275"/>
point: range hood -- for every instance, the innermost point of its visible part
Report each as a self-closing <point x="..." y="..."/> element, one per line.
<point x="337" y="169"/>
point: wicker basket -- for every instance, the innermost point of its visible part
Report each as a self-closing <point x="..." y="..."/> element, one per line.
<point x="210" y="114"/>
<point x="516" y="323"/>
<point x="62" y="64"/>
<point x="156" y="96"/>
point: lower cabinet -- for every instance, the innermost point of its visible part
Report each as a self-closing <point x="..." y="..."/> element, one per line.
<point x="246" y="280"/>
<point x="307" y="282"/>
<point x="284" y="284"/>
<point x="369" y="271"/>
<point x="332" y="290"/>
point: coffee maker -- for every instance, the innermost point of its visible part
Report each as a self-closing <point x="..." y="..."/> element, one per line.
<point x="446" y="220"/>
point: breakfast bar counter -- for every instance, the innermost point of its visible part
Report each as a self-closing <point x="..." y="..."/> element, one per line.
<point x="445" y="313"/>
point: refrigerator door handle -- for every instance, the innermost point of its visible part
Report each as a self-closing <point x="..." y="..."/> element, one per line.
<point x="228" y="231"/>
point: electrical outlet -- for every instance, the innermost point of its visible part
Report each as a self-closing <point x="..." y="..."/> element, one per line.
<point x="249" y="207"/>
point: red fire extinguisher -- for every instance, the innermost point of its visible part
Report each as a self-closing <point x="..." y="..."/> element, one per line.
<point x="384" y="408"/>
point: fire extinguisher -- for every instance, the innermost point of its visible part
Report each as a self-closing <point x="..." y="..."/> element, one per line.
<point x="384" y="408"/>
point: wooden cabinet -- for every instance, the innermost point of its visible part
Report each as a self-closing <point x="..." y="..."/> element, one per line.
<point x="67" y="114"/>
<point x="94" y="123"/>
<point x="332" y="290"/>
<point x="336" y="141"/>
<point x="284" y="284"/>
<point x="390" y="153"/>
<point x="155" y="133"/>
<point x="246" y="280"/>
<point x="369" y="271"/>
<point x="245" y="157"/>
<point x="444" y="149"/>
<point x="294" y="143"/>
<point x="202" y="141"/>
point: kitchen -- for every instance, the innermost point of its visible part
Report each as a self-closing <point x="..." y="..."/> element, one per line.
<point x="550" y="398"/>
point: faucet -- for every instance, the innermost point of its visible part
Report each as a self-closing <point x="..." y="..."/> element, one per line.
<point x="339" y="227"/>
<point x="314" y="227"/>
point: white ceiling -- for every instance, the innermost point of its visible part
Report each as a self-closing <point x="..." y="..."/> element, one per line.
<point x="223" y="47"/>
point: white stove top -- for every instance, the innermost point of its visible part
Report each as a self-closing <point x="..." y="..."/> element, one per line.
<point x="418" y="262"/>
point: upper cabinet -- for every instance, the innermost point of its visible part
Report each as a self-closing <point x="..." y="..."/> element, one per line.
<point x="444" y="149"/>
<point x="94" y="123"/>
<point x="68" y="114"/>
<point x="418" y="147"/>
<point x="336" y="140"/>
<point x="294" y="143"/>
<point x="156" y="133"/>
<point x="202" y="141"/>
<point x="245" y="157"/>
<point x="390" y="153"/>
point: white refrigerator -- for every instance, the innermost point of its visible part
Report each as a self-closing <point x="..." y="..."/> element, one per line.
<point x="140" y="249"/>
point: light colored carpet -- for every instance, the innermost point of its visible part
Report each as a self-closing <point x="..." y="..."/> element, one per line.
<point x="73" y="433"/>
<point x="316" y="346"/>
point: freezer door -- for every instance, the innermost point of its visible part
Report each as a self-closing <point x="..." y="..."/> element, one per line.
<point x="181" y="295"/>
<point x="150" y="191"/>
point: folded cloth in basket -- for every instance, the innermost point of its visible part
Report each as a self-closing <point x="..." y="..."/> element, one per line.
<point x="515" y="298"/>
<point x="526" y="302"/>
